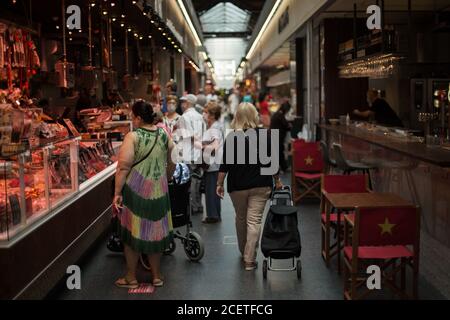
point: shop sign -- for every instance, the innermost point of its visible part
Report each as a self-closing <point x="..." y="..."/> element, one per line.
<point x="172" y="28"/>
<point x="283" y="21"/>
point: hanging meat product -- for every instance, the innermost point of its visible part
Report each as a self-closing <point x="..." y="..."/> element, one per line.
<point x="2" y="45"/>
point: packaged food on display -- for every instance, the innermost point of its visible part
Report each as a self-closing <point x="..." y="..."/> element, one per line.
<point x="53" y="130"/>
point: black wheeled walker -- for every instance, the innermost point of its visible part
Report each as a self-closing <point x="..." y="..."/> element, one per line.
<point x="281" y="237"/>
<point x="181" y="216"/>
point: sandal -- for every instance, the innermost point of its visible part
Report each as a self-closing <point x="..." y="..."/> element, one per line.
<point x="158" y="283"/>
<point x="124" y="283"/>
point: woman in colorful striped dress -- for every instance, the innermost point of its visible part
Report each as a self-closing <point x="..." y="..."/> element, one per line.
<point x="141" y="194"/>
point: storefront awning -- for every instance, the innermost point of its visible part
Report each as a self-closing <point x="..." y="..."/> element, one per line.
<point x="279" y="79"/>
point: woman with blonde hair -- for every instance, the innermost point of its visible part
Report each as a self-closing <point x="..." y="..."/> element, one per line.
<point x="249" y="189"/>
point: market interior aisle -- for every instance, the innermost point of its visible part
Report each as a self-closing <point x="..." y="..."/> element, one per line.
<point x="220" y="274"/>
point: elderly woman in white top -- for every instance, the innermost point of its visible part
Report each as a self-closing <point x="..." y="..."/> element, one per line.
<point x="212" y="146"/>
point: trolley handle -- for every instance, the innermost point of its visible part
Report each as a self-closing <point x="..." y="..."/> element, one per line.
<point x="282" y="192"/>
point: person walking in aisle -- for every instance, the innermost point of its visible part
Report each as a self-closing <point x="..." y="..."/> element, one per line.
<point x="233" y="102"/>
<point x="189" y="132"/>
<point x="141" y="194"/>
<point x="212" y="146"/>
<point x="279" y="122"/>
<point x="201" y="101"/>
<point x="209" y="92"/>
<point x="248" y="188"/>
<point x="171" y="90"/>
<point x="264" y="109"/>
<point x="172" y="117"/>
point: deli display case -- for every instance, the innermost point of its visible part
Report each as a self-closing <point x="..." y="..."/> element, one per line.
<point x="55" y="201"/>
<point x="35" y="182"/>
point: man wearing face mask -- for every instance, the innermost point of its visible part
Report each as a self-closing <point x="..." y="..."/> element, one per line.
<point x="172" y="117"/>
<point x="380" y="111"/>
<point x="189" y="132"/>
<point x="171" y="90"/>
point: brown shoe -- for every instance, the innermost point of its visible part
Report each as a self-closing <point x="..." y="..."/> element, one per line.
<point x="250" y="266"/>
<point x="210" y="220"/>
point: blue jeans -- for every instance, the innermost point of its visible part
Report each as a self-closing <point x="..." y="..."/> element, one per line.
<point x="213" y="207"/>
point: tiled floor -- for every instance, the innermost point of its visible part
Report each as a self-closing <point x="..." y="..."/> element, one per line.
<point x="219" y="275"/>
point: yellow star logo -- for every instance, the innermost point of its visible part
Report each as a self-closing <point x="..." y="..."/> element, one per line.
<point x="309" y="161"/>
<point x="386" y="227"/>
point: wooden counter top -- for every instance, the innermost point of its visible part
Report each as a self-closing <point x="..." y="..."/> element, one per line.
<point x="436" y="156"/>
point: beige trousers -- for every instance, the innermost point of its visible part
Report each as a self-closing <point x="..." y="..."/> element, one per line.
<point x="249" y="206"/>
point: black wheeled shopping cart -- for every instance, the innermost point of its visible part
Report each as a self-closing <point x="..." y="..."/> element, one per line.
<point x="181" y="216"/>
<point x="281" y="237"/>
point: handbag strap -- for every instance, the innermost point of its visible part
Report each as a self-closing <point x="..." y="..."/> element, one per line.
<point x="148" y="154"/>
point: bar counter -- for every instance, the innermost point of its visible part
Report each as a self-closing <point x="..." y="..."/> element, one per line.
<point x="434" y="155"/>
<point x="416" y="172"/>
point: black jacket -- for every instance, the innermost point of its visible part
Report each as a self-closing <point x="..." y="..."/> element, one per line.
<point x="247" y="175"/>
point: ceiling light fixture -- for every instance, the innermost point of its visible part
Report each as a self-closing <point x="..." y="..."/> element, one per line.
<point x="188" y="19"/>
<point x="263" y="29"/>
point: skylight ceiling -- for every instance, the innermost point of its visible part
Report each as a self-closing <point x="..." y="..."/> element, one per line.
<point x="225" y="17"/>
<point x="227" y="27"/>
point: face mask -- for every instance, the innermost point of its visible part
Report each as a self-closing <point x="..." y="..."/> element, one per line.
<point x="171" y="107"/>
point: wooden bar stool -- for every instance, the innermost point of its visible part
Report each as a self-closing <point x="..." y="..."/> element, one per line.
<point x="330" y="163"/>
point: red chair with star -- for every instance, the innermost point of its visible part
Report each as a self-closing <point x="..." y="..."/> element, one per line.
<point x="385" y="237"/>
<point x="337" y="184"/>
<point x="307" y="169"/>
